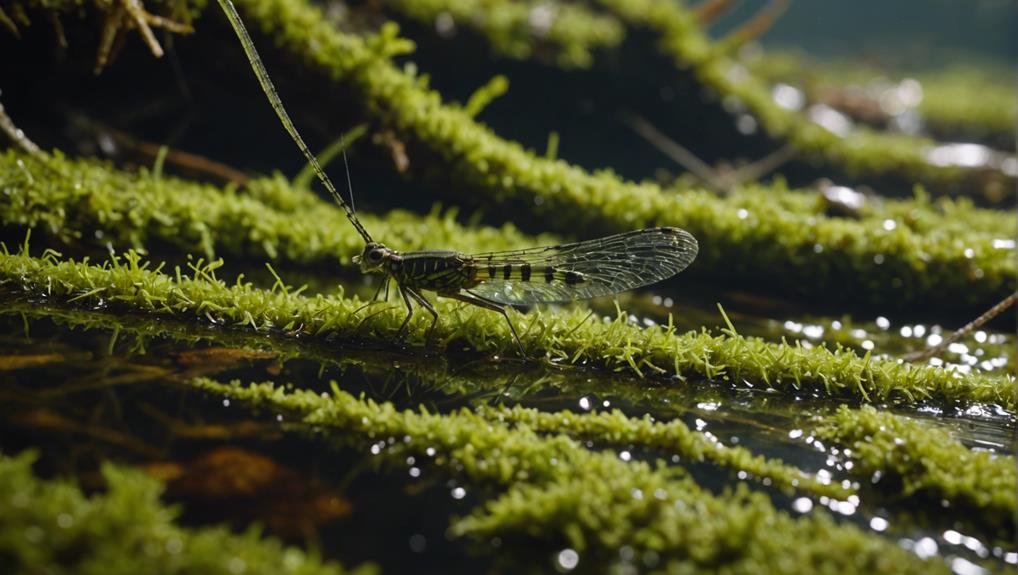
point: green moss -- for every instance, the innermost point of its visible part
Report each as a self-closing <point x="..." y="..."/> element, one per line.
<point x="924" y="462"/>
<point x="525" y="29"/>
<point x="862" y="152"/>
<point x="615" y="428"/>
<point x="558" y="491"/>
<point x="95" y="204"/>
<point x="126" y="284"/>
<point x="777" y="248"/>
<point x="50" y="526"/>
<point x="939" y="253"/>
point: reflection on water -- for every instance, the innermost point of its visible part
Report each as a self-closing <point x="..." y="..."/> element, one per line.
<point x="83" y="393"/>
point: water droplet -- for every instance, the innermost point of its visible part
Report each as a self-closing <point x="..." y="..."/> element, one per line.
<point x="802" y="504"/>
<point x="788" y="97"/>
<point x="568" y="559"/>
<point x="925" y="548"/>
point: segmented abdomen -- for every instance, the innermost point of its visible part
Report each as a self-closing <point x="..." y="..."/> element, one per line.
<point x="524" y="272"/>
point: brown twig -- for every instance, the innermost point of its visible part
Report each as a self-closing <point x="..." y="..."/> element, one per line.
<point x="991" y="313"/>
<point x="8" y="23"/>
<point x="111" y="27"/>
<point x="721" y="181"/>
<point x="186" y="162"/>
<point x="711" y="10"/>
<point x="138" y="16"/>
<point x="758" y="24"/>
<point x="18" y="136"/>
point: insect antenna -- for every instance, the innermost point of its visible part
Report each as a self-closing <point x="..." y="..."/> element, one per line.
<point x="270" y="91"/>
<point x="349" y="184"/>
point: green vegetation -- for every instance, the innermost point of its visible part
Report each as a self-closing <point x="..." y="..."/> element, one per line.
<point x="924" y="462"/>
<point x="126" y="284"/>
<point x="735" y="492"/>
<point x="779" y="249"/>
<point x="50" y="526"/>
<point x="96" y="204"/>
<point x="943" y="251"/>
<point x="522" y="30"/>
<point x="592" y="501"/>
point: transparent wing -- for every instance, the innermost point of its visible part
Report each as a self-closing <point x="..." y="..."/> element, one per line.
<point x="603" y="266"/>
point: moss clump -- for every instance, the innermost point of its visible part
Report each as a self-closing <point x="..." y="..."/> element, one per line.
<point x="93" y="203"/>
<point x="775" y="248"/>
<point x="615" y="428"/>
<point x="522" y="29"/>
<point x="50" y="526"/>
<point x="926" y="462"/>
<point x="593" y="501"/>
<point x="567" y="337"/>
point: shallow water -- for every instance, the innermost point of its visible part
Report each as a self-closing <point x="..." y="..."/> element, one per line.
<point x="82" y="392"/>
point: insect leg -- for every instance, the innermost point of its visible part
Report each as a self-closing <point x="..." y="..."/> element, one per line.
<point x="485" y="303"/>
<point x="384" y="284"/>
<point x="409" y="310"/>
<point x="426" y="305"/>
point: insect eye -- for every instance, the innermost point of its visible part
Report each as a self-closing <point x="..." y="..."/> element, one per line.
<point x="375" y="255"/>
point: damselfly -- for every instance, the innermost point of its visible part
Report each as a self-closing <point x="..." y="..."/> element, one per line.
<point x="496" y="280"/>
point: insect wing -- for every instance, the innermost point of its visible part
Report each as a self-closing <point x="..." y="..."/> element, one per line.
<point x="586" y="269"/>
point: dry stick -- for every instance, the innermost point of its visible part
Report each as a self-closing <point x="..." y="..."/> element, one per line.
<point x="766" y="164"/>
<point x="965" y="330"/>
<point x="674" y="150"/>
<point x="711" y="10"/>
<point x="759" y="23"/>
<point x="186" y="161"/>
<point x="6" y="21"/>
<point x="18" y="136"/>
<point x="111" y="26"/>
<point x="138" y="14"/>
<point x="58" y="30"/>
<point x="713" y="178"/>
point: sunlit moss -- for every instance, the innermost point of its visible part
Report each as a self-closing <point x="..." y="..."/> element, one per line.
<point x="924" y="462"/>
<point x="522" y="29"/>
<point x="569" y="337"/>
<point x="940" y="252"/>
<point x="616" y="428"/>
<point x="593" y="501"/>
<point x="90" y="203"/>
<point x="50" y="526"/>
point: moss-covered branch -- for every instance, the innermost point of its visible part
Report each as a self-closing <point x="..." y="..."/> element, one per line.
<point x="522" y="29"/>
<point x="924" y="462"/>
<point x="128" y="285"/>
<point x="50" y="526"/>
<point x="615" y="428"/>
<point x="593" y="501"/>
<point x="859" y="261"/>
<point x="95" y="204"/>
